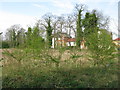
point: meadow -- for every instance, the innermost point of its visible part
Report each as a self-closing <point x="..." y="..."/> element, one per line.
<point x="50" y="68"/>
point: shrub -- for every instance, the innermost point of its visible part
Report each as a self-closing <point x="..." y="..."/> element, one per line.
<point x="5" y="44"/>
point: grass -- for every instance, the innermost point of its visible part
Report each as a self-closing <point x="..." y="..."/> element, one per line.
<point x="42" y="72"/>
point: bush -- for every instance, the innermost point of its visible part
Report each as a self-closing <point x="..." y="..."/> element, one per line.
<point x="5" y="44"/>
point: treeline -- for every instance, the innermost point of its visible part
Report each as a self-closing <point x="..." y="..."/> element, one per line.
<point x="79" y="24"/>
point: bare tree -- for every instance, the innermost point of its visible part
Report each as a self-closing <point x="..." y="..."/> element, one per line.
<point x="47" y="23"/>
<point x="11" y="35"/>
<point x="103" y="21"/>
<point x="70" y="25"/>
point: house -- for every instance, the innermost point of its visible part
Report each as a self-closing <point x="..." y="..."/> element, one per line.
<point x="63" y="40"/>
<point x="72" y="42"/>
<point x="117" y="41"/>
<point x="59" y="39"/>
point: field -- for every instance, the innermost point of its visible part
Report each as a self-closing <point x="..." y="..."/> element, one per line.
<point x="56" y="69"/>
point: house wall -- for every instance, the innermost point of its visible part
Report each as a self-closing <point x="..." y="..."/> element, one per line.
<point x="64" y="43"/>
<point x="58" y="43"/>
<point x="71" y="44"/>
<point x="53" y="43"/>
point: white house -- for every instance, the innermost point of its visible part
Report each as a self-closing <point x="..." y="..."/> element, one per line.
<point x="62" y="40"/>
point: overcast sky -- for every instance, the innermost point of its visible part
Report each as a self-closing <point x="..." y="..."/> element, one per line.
<point x="26" y="12"/>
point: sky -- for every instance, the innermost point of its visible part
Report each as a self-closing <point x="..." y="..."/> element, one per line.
<point x="26" y="12"/>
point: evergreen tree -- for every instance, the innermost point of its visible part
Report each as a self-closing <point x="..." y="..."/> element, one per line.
<point x="86" y="23"/>
<point x="90" y="24"/>
<point x="29" y="37"/>
<point x="34" y="40"/>
<point x="37" y="40"/>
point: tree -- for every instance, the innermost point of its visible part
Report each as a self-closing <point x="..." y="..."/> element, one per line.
<point x="101" y="47"/>
<point x="1" y="39"/>
<point x="61" y="23"/>
<point x="34" y="39"/>
<point x="90" y="24"/>
<point x="103" y="21"/>
<point x="11" y="35"/>
<point x="86" y="24"/>
<point x="55" y="29"/>
<point x="20" y="37"/>
<point x="49" y="33"/>
<point x="70" y="25"/>
<point x="49" y="28"/>
<point x="29" y="36"/>
<point x="79" y="36"/>
<point x="37" y="40"/>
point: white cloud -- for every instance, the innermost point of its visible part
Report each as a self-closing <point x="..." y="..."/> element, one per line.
<point x="63" y="4"/>
<point x="23" y="0"/>
<point x="7" y="19"/>
<point x="92" y="1"/>
<point x="82" y="1"/>
<point x="38" y="5"/>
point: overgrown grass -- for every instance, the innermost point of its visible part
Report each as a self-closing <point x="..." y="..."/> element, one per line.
<point x="40" y="71"/>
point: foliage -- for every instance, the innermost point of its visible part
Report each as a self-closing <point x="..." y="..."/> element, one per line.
<point x="33" y="39"/>
<point x="49" y="33"/>
<point x="5" y="44"/>
<point x="27" y="74"/>
<point x="39" y="69"/>
<point x="29" y="36"/>
<point x="79" y="36"/>
<point x="90" y="23"/>
<point x="48" y="28"/>
<point x="11" y="35"/>
<point x="101" y="46"/>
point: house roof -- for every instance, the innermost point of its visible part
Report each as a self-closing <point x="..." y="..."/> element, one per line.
<point x="117" y="39"/>
<point x="68" y="40"/>
<point x="71" y="40"/>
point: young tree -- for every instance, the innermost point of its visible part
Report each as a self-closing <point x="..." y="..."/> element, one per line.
<point x="101" y="47"/>
<point x="33" y="38"/>
<point x="37" y="40"/>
